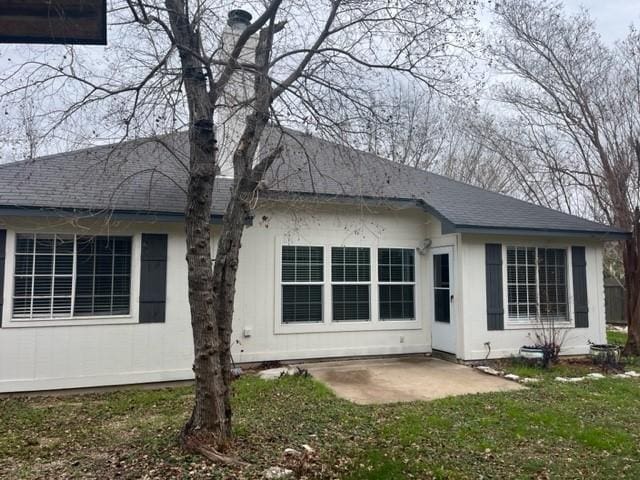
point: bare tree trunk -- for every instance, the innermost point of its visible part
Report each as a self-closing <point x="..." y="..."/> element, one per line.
<point x="224" y="286"/>
<point x="208" y="430"/>
<point x="210" y="422"/>
<point x="631" y="260"/>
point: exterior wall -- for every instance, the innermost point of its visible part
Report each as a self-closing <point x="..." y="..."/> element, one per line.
<point x="504" y="343"/>
<point x="110" y="351"/>
<point x="258" y="293"/>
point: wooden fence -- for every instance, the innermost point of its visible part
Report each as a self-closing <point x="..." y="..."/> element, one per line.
<point x="614" y="303"/>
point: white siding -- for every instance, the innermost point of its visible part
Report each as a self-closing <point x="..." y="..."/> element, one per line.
<point x="80" y="355"/>
<point x="507" y="342"/>
<point x="122" y="351"/>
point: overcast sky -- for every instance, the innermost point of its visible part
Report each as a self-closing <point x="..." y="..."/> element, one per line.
<point x="613" y="17"/>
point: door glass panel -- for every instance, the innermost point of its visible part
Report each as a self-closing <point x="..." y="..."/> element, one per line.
<point x="442" y="291"/>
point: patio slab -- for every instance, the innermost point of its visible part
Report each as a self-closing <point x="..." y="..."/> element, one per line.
<point x="404" y="379"/>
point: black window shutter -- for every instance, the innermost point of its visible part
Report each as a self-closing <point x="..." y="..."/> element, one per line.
<point x="495" y="303"/>
<point x="153" y="278"/>
<point x="3" y="244"/>
<point x="580" y="302"/>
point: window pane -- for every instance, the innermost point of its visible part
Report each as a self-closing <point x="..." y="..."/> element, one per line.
<point x="64" y="244"/>
<point x="44" y="275"/>
<point x="62" y="286"/>
<point x="21" y="307"/>
<point x="24" y="243"/>
<point x="441" y="270"/>
<point x="396" y="302"/>
<point x="85" y="245"/>
<point x="122" y="265"/>
<point x="83" y="305"/>
<point x="85" y="264"/>
<point x="62" y="306"/>
<point x="536" y="283"/>
<point x="42" y="286"/>
<point x="122" y="246"/>
<point x="301" y="303"/>
<point x="350" y="302"/>
<point x="442" y="306"/>
<point x="103" y="267"/>
<point x="44" y="264"/>
<point x="396" y="265"/>
<point x="64" y="265"/>
<point x="44" y="243"/>
<point x="24" y="264"/>
<point x="104" y="264"/>
<point x="102" y="285"/>
<point x="552" y="284"/>
<point x="41" y="306"/>
<point x="384" y="273"/>
<point x="302" y="264"/>
<point x="120" y="305"/>
<point x="22" y="286"/>
<point x="350" y="264"/>
<point x="84" y="285"/>
<point x="121" y="285"/>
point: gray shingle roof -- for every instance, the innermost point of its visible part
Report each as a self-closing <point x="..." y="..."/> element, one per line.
<point x="150" y="176"/>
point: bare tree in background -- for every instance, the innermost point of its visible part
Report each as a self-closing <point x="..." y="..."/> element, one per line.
<point x="437" y="133"/>
<point x="171" y="66"/>
<point x="578" y="104"/>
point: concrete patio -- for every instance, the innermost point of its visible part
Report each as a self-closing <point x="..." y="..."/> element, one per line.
<point x="404" y="379"/>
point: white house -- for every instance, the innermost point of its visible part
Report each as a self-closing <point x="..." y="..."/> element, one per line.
<point x="347" y="254"/>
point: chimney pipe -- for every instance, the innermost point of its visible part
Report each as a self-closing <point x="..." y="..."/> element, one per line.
<point x="239" y="19"/>
<point x="232" y="113"/>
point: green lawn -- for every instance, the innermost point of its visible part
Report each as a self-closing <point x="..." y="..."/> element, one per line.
<point x="553" y="430"/>
<point x="618" y="338"/>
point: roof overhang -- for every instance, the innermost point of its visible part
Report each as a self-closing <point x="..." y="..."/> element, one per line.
<point x="447" y="226"/>
<point x="611" y="235"/>
<point x="88" y="214"/>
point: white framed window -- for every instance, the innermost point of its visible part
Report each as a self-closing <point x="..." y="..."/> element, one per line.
<point x="351" y="284"/>
<point x="537" y="284"/>
<point x="71" y="276"/>
<point x="302" y="284"/>
<point x="396" y="283"/>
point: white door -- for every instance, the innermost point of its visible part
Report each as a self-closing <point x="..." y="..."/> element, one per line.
<point x="443" y="324"/>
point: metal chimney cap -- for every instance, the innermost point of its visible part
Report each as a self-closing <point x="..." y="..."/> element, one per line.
<point x="239" y="17"/>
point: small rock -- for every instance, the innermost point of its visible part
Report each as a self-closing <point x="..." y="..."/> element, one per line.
<point x="277" y="473"/>
<point x="595" y="375"/>
<point x="308" y="449"/>
<point x="622" y="375"/>
<point x="633" y="373"/>
<point x="291" y="452"/>
<point x="513" y="377"/>
<point x="489" y="370"/>
<point x="561" y="379"/>
<point x="575" y="379"/>
<point x="529" y="380"/>
<point x="274" y="373"/>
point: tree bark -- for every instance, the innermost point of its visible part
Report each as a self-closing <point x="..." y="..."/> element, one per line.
<point x="208" y="430"/>
<point x="631" y="260"/>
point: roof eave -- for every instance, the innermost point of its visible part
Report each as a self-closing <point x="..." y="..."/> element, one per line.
<point x="603" y="235"/>
<point x="86" y="213"/>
